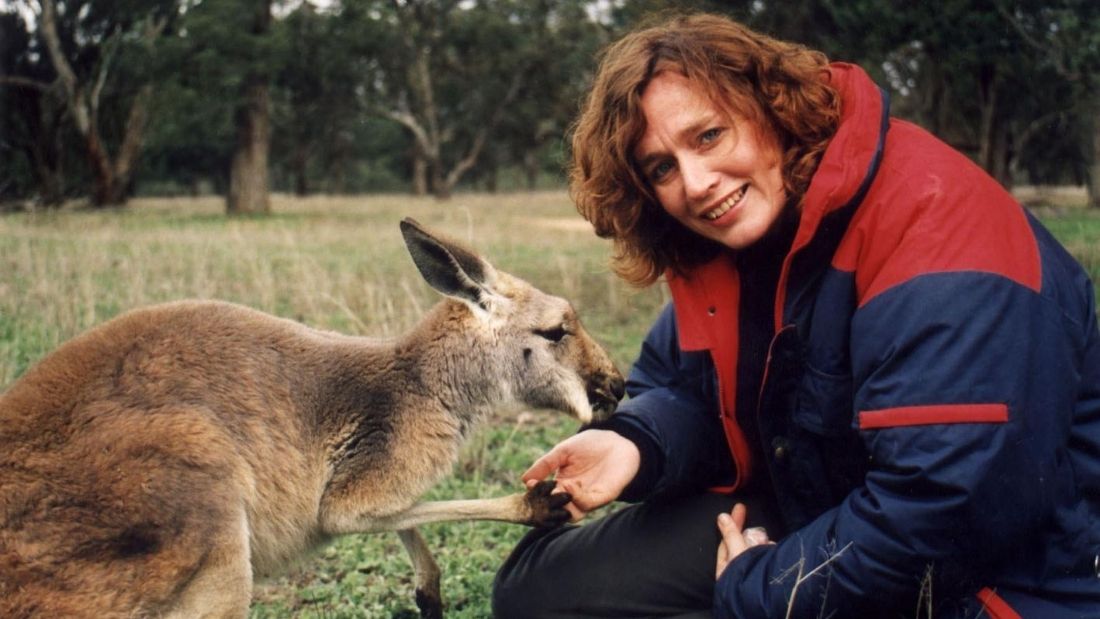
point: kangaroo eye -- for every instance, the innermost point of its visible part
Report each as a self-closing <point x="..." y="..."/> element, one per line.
<point x="554" y="335"/>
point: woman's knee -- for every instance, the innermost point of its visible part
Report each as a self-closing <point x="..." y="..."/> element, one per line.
<point x="520" y="588"/>
<point x="510" y="597"/>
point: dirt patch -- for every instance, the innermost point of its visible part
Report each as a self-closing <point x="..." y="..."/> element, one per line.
<point x="564" y="224"/>
<point x="1051" y="196"/>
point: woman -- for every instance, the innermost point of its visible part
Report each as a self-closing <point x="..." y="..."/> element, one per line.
<point x="871" y="345"/>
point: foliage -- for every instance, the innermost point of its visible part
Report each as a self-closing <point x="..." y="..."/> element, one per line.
<point x="969" y="71"/>
<point x="432" y="95"/>
<point x="31" y="140"/>
<point x="90" y="45"/>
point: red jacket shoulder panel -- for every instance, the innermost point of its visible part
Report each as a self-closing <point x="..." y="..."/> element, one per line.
<point x="932" y="210"/>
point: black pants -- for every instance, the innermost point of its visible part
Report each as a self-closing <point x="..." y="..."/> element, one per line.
<point x="653" y="559"/>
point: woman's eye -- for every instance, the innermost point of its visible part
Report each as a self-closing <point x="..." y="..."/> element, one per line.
<point x="554" y="335"/>
<point x="709" y="136"/>
<point x="660" y="170"/>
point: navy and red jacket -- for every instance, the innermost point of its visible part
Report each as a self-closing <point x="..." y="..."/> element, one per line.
<point x="927" y="412"/>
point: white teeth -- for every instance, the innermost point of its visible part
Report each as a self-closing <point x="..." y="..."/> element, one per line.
<point x="726" y="205"/>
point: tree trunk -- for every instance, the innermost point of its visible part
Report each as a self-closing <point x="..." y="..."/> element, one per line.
<point x="933" y="95"/>
<point x="112" y="183"/>
<point x="1094" y="160"/>
<point x="49" y="184"/>
<point x="300" y="171"/>
<point x="441" y="186"/>
<point x="248" y="190"/>
<point x="43" y="150"/>
<point x="419" y="172"/>
<point x="491" y="176"/>
<point x="248" y="178"/>
<point x="531" y="168"/>
<point x="987" y="123"/>
<point x="134" y="138"/>
<point x="1002" y="156"/>
<point x="994" y="144"/>
<point x="1093" y="189"/>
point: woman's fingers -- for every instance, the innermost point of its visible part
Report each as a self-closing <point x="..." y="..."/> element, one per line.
<point x="755" y="536"/>
<point x="736" y="538"/>
<point x="543" y="467"/>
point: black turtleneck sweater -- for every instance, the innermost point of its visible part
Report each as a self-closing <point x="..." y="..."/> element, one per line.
<point x="758" y="267"/>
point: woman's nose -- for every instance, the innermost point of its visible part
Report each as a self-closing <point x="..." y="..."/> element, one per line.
<point x="699" y="180"/>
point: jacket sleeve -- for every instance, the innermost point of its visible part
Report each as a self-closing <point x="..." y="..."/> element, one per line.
<point x="673" y="416"/>
<point x="964" y="389"/>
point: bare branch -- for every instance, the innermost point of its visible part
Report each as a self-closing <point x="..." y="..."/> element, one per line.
<point x="135" y="131"/>
<point x="482" y="134"/>
<point x="26" y="82"/>
<point x="1035" y="125"/>
<point x="407" y="120"/>
<point x="48" y="24"/>
<point x="1052" y="52"/>
<point x="110" y="50"/>
<point x="154" y="27"/>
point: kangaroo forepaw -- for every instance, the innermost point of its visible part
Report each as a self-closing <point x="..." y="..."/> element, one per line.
<point x="431" y="607"/>
<point x="547" y="508"/>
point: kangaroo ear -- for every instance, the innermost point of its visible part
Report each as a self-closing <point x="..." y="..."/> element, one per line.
<point x="448" y="267"/>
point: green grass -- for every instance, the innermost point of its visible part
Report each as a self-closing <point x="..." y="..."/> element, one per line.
<point x="1079" y="231"/>
<point x="339" y="263"/>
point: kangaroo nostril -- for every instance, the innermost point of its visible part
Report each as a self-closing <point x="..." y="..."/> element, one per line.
<point x="617" y="386"/>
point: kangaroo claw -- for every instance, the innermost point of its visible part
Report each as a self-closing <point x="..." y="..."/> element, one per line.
<point x="547" y="508"/>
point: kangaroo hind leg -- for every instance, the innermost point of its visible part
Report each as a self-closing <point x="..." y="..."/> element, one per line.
<point x="428" y="597"/>
<point x="222" y="585"/>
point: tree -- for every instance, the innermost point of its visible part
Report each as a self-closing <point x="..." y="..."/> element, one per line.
<point x="83" y="50"/>
<point x="1066" y="36"/>
<point x="366" y="94"/>
<point x="248" y="173"/>
<point x="968" y="71"/>
<point x="562" y="42"/>
<point x="315" y="108"/>
<point x="31" y="117"/>
<point x="446" y="71"/>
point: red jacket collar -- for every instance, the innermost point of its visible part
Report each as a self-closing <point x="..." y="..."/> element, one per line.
<point x="850" y="153"/>
<point x="706" y="304"/>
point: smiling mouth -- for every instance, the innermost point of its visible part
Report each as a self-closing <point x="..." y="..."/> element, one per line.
<point x="727" y="204"/>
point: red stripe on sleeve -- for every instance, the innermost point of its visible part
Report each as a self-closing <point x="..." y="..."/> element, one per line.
<point x="934" y="414"/>
<point x="996" y="607"/>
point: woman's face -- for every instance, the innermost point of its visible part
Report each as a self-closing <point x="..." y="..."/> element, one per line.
<point x="719" y="176"/>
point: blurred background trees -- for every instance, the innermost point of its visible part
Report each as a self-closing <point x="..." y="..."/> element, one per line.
<point x="106" y="99"/>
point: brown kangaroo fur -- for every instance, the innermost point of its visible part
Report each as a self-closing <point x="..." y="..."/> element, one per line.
<point x="156" y="464"/>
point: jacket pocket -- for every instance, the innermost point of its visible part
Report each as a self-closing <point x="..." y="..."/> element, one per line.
<point x="824" y="405"/>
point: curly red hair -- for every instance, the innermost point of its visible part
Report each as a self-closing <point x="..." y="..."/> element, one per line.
<point x="778" y="86"/>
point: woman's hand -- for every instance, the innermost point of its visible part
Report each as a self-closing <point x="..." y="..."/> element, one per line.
<point x="594" y="466"/>
<point x="736" y="538"/>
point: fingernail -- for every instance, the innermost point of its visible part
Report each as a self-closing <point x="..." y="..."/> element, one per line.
<point x="724" y="519"/>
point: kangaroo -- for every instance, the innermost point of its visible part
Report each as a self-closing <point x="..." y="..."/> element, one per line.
<point x="158" y="463"/>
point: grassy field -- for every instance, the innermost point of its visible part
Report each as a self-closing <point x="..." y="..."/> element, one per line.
<point x="338" y="263"/>
<point x="334" y="263"/>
